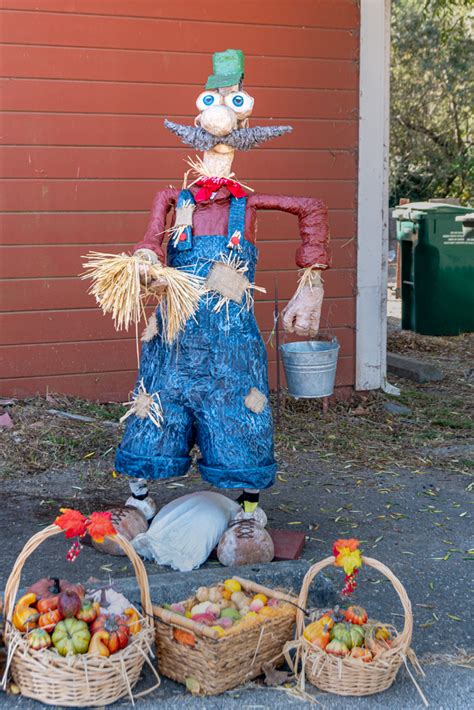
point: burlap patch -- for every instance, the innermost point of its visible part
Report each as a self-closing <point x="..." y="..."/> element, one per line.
<point x="255" y="400"/>
<point x="227" y="281"/>
<point x="184" y="215"/>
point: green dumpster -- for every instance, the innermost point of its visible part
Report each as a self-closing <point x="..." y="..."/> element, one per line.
<point x="437" y="267"/>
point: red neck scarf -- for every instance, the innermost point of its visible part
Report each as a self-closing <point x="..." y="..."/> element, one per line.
<point x="207" y="186"/>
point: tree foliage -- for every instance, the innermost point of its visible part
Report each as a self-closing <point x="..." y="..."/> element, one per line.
<point x="432" y="100"/>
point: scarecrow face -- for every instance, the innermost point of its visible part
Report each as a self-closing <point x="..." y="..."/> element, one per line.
<point x="223" y="110"/>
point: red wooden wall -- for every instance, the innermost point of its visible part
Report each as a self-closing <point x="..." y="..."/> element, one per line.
<point x="85" y="85"/>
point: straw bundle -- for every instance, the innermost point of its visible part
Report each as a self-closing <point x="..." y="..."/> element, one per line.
<point x="311" y="277"/>
<point x="202" y="170"/>
<point x="142" y="405"/>
<point x="117" y="289"/>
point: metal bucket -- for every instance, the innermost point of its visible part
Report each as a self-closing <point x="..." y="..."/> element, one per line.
<point x="310" y="367"/>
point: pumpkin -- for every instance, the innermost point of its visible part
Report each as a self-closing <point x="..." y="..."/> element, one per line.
<point x="39" y="639"/>
<point x="50" y="586"/>
<point x="49" y="619"/>
<point x="356" y="615"/>
<point x="363" y="654"/>
<point x="47" y="604"/>
<point x="88" y="612"/>
<point x="337" y="648"/>
<point x="117" y="628"/>
<point x="98" y="644"/>
<point x="25" y="616"/>
<point x="341" y="632"/>
<point x="71" y="637"/>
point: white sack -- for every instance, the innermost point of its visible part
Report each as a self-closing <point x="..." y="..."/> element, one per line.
<point x="185" y="531"/>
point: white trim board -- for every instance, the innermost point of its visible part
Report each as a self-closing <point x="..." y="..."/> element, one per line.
<point x="372" y="220"/>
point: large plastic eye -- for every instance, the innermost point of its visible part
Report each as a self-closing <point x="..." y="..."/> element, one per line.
<point x="208" y="99"/>
<point x="239" y="101"/>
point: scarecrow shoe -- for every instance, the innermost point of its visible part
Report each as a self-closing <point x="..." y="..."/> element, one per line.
<point x="146" y="506"/>
<point x="246" y="541"/>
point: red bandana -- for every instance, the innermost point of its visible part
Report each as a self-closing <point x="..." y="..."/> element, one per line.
<point x="209" y="185"/>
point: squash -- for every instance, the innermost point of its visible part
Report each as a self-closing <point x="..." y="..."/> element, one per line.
<point x="133" y="623"/>
<point x="71" y="637"/>
<point x="362" y="654"/>
<point x="50" y="586"/>
<point x="98" y="644"/>
<point x="357" y="635"/>
<point x="47" y="604"/>
<point x="317" y="634"/>
<point x="341" y="632"/>
<point x="25" y="616"/>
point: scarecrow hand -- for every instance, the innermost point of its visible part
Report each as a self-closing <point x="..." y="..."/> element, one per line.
<point x="303" y="312"/>
<point x="146" y="278"/>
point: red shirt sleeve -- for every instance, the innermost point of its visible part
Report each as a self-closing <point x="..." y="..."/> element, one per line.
<point x="155" y="232"/>
<point x="313" y="225"/>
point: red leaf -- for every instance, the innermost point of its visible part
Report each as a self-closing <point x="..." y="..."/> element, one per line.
<point x="100" y="525"/>
<point x="72" y="522"/>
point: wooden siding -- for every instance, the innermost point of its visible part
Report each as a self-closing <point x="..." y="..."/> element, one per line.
<point x="85" y="85"/>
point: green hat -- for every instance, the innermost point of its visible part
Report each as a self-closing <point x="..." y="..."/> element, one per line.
<point x="228" y="68"/>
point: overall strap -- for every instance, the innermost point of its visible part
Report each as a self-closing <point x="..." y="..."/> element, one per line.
<point x="236" y="228"/>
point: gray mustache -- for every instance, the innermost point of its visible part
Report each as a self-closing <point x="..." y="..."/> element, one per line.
<point x="240" y="139"/>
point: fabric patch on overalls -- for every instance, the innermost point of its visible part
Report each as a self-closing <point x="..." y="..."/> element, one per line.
<point x="151" y="330"/>
<point x="143" y="405"/>
<point x="255" y="401"/>
<point x="227" y="281"/>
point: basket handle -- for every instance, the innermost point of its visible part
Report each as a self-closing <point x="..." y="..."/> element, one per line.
<point x="370" y="562"/>
<point x="251" y="586"/>
<point x="13" y="581"/>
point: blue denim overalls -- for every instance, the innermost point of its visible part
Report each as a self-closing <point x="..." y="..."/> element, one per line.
<point x="202" y="380"/>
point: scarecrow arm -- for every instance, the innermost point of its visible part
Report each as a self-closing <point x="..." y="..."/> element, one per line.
<point x="303" y="313"/>
<point x="313" y="226"/>
<point x="155" y="232"/>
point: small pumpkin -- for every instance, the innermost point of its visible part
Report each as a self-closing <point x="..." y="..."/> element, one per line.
<point x="341" y="632"/>
<point x="49" y="619"/>
<point x="25" y="616"/>
<point x="88" y="612"/>
<point x="39" y="639"/>
<point x="356" y="615"/>
<point x="117" y="628"/>
<point x="337" y="648"/>
<point x="71" y="637"/>
<point x="47" y="604"/>
<point x="50" y="586"/>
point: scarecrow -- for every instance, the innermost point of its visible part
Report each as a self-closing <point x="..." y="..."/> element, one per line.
<point x="212" y="381"/>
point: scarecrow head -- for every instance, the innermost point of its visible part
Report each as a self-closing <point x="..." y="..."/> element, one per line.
<point x="221" y="126"/>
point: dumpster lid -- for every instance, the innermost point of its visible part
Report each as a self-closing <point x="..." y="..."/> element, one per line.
<point x="415" y="210"/>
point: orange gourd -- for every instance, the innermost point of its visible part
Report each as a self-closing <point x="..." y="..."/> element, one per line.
<point x="356" y="615"/>
<point x="362" y="654"/>
<point x="99" y="643"/>
<point x="25" y="616"/>
<point x="134" y="625"/>
<point x="318" y="634"/>
<point x="47" y="604"/>
<point x="49" y="619"/>
<point x="186" y="638"/>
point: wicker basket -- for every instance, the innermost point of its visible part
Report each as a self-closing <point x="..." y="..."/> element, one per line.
<point x="82" y="680"/>
<point x="216" y="664"/>
<point x="350" y="676"/>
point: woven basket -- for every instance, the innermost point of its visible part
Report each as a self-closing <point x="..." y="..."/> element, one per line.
<point x="216" y="664"/>
<point x="82" y="680"/>
<point x="350" y="676"/>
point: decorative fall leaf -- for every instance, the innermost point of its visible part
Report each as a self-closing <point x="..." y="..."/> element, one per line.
<point x="100" y="525"/>
<point x="72" y="522"/>
<point x="351" y="543"/>
<point x="349" y="560"/>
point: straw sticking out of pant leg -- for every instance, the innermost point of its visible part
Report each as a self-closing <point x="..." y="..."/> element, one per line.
<point x="117" y="289"/>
